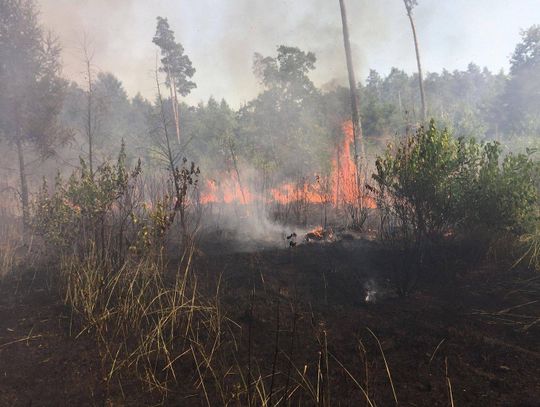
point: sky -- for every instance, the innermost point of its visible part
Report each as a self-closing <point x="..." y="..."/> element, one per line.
<point x="221" y="36"/>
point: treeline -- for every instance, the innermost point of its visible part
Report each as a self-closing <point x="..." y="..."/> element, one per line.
<point x="290" y="130"/>
<point x="292" y="127"/>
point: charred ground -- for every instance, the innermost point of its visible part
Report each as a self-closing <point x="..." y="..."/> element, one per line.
<point x="476" y="332"/>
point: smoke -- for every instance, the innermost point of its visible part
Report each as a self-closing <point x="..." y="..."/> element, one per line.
<point x="220" y="38"/>
<point x="371" y="291"/>
<point x="240" y="213"/>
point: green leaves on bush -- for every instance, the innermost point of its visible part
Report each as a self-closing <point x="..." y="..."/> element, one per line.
<point x="74" y="213"/>
<point x="432" y="184"/>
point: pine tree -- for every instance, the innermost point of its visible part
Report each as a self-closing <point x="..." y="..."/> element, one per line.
<point x="31" y="89"/>
<point x="176" y="66"/>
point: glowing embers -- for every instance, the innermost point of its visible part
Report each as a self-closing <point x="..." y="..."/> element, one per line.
<point x="320" y="234"/>
<point x="316" y="234"/>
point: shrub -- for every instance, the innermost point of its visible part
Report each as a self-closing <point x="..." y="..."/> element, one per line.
<point x="79" y="212"/>
<point x="147" y="326"/>
<point x="106" y="211"/>
<point x="432" y="185"/>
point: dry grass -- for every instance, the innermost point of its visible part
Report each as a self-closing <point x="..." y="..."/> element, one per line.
<point x="10" y="242"/>
<point x="531" y="244"/>
<point x="146" y="324"/>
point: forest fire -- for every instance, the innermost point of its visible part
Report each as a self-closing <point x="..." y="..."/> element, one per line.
<point x="213" y="208"/>
<point x="338" y="188"/>
<point x="315" y="234"/>
<point x="228" y="191"/>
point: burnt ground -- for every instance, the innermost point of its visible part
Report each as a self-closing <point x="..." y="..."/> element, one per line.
<point x="474" y="332"/>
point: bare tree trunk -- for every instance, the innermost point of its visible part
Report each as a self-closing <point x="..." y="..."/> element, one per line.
<point x="235" y="163"/>
<point x="418" y="63"/>
<point x="359" y="154"/>
<point x="170" y="158"/>
<point x="338" y="174"/>
<point x="175" y="107"/>
<point x="89" y="110"/>
<point x="24" y="189"/>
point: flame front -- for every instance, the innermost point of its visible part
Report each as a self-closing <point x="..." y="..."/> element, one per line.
<point x="339" y="188"/>
<point x="228" y="191"/>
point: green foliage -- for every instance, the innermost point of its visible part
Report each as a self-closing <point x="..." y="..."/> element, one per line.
<point x="74" y="214"/>
<point x="106" y="212"/>
<point x="527" y="52"/>
<point x="432" y="187"/>
<point x="31" y="89"/>
<point x="413" y="182"/>
<point x="287" y="74"/>
<point x="521" y="96"/>
<point x="175" y="64"/>
<point x="503" y="193"/>
<point x="282" y="132"/>
<point x="433" y="184"/>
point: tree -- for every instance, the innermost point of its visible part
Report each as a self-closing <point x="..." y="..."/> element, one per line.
<point x="409" y="5"/>
<point x="176" y="66"/>
<point x="112" y="107"/>
<point x="279" y="128"/>
<point x="31" y="89"/>
<point x="182" y="177"/>
<point x="287" y="74"/>
<point x="376" y="111"/>
<point x="91" y="119"/>
<point x="521" y="99"/>
<point x="357" y="124"/>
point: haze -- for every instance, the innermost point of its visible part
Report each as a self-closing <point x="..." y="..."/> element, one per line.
<point x="221" y="37"/>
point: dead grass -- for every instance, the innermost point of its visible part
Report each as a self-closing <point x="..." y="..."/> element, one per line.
<point x="146" y="323"/>
<point x="10" y="242"/>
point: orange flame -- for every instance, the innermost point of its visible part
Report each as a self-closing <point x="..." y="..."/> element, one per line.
<point x="288" y="193"/>
<point x="339" y="188"/>
<point x="228" y="191"/>
<point x="318" y="232"/>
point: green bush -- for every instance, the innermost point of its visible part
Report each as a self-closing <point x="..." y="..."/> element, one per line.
<point x="79" y="211"/>
<point x="432" y="185"/>
<point x="435" y="184"/>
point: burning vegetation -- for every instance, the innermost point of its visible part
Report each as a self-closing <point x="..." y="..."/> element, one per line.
<point x="312" y="247"/>
<point x="337" y="189"/>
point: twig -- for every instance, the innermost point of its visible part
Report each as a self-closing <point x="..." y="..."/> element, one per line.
<point x="28" y="338"/>
<point x="449" y="383"/>
<point x="385" y="364"/>
<point x="276" y="351"/>
<point x="435" y="351"/>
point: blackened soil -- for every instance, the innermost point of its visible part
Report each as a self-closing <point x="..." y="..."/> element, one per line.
<point x="471" y="338"/>
<point x="41" y="364"/>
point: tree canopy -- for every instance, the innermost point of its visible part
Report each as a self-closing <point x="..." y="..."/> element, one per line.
<point x="175" y="64"/>
<point x="31" y="88"/>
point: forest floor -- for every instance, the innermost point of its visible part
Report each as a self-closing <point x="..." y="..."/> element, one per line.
<point x="473" y="340"/>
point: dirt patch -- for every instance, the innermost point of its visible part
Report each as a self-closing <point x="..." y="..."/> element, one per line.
<point x="41" y="364"/>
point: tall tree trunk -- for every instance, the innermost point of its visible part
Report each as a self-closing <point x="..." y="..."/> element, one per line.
<point x="359" y="155"/>
<point x="235" y="164"/>
<point x="171" y="160"/>
<point x="89" y="111"/>
<point x="24" y="189"/>
<point x="418" y="63"/>
<point x="175" y="106"/>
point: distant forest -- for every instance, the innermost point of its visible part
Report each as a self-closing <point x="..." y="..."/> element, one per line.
<point x="291" y="127"/>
